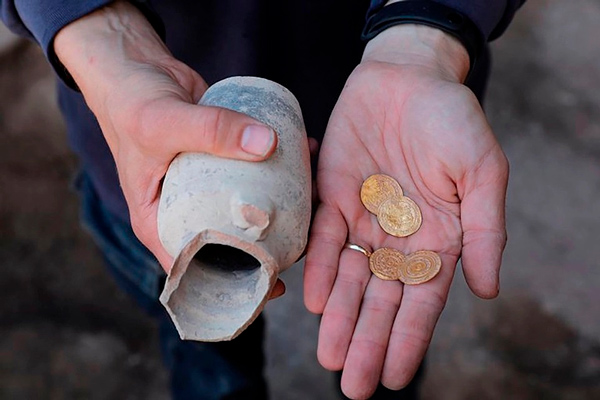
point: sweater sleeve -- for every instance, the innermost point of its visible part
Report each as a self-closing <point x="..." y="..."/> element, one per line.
<point x="492" y="17"/>
<point x="41" y="20"/>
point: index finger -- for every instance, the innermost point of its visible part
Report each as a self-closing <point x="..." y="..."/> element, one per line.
<point x="327" y="238"/>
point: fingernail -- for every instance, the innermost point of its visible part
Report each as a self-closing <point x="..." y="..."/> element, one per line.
<point x="257" y="139"/>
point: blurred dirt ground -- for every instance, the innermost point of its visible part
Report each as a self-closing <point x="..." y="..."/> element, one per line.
<point x="66" y="332"/>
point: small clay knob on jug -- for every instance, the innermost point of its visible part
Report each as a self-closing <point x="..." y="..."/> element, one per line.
<point x="233" y="226"/>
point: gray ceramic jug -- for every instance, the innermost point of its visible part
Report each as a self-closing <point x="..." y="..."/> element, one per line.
<point x="233" y="226"/>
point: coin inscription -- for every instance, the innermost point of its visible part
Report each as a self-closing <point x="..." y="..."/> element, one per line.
<point x="399" y="216"/>
<point x="385" y="263"/>
<point x="378" y="188"/>
<point x="419" y="267"/>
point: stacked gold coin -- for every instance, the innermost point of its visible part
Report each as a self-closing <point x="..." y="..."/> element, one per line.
<point x="418" y="267"/>
<point x="398" y="215"/>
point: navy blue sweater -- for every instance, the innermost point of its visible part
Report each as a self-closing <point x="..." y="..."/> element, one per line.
<point x="310" y="46"/>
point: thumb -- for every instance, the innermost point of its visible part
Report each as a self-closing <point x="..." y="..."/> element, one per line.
<point x="219" y="131"/>
<point x="484" y="229"/>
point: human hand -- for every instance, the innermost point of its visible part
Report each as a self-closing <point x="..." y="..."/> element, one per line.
<point x="145" y="102"/>
<point x="404" y="113"/>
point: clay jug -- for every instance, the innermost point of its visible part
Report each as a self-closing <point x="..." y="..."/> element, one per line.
<point x="233" y="226"/>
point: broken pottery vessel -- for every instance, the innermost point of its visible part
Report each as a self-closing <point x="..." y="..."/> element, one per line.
<point x="233" y="226"/>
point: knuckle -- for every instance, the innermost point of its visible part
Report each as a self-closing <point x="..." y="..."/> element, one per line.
<point x="369" y="343"/>
<point x="432" y="303"/>
<point x="497" y="238"/>
<point x="413" y="340"/>
<point x="215" y="123"/>
<point x="380" y="305"/>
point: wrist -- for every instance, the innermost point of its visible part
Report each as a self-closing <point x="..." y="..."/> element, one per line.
<point x="94" y="47"/>
<point x="423" y="46"/>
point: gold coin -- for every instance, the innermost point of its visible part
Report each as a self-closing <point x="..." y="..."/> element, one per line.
<point x="378" y="188"/>
<point x="385" y="263"/>
<point x="399" y="216"/>
<point x="419" y="267"/>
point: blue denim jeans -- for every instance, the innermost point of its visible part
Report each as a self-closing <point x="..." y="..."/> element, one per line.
<point x="208" y="371"/>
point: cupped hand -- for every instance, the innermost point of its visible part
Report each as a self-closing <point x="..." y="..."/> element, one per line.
<point x="406" y="114"/>
<point x="145" y="102"/>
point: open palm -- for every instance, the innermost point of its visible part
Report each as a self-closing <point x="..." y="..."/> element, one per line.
<point x="431" y="135"/>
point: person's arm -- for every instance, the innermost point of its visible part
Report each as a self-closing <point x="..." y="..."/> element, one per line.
<point x="492" y="17"/>
<point x="145" y="102"/>
<point x="41" y="20"/>
<point x="404" y="112"/>
<point x="143" y="98"/>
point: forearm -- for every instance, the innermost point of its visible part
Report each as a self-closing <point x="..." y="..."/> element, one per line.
<point x="96" y="48"/>
<point x="402" y="33"/>
<point x="420" y="45"/>
<point x="41" y="20"/>
<point x="491" y="16"/>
